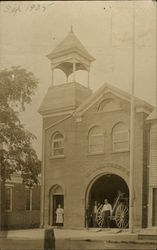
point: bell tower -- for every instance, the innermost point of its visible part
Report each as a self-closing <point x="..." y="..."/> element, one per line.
<point x="69" y="56"/>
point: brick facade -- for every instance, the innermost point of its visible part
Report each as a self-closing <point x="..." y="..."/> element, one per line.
<point x="77" y="170"/>
<point x="14" y="213"/>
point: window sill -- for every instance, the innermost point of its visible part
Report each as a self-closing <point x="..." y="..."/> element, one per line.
<point x="121" y="151"/>
<point x="98" y="153"/>
<point x="57" y="157"/>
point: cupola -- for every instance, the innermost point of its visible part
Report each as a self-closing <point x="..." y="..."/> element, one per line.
<point x="69" y="56"/>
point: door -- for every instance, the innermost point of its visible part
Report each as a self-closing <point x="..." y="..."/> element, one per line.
<point x="57" y="199"/>
<point x="154" y="222"/>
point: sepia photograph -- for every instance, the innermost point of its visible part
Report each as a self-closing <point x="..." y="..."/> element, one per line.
<point x="78" y="125"/>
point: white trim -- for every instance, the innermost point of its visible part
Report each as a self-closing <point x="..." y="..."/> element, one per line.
<point x="58" y="114"/>
<point x="57" y="157"/>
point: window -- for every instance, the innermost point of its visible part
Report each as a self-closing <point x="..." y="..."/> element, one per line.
<point x="28" y="199"/>
<point x="106" y="104"/>
<point x="96" y="140"/>
<point x="36" y="198"/>
<point x="120" y="137"/>
<point x="8" y="199"/>
<point x="57" y="145"/>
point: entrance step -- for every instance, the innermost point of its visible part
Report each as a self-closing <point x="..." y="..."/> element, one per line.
<point x="148" y="234"/>
<point x="147" y="237"/>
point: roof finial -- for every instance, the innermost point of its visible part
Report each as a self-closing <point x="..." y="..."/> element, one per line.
<point x="71" y="30"/>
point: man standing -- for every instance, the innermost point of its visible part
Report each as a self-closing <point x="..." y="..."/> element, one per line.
<point x="106" y="213"/>
<point x="95" y="211"/>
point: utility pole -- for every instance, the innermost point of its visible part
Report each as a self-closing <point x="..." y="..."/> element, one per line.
<point x="131" y="183"/>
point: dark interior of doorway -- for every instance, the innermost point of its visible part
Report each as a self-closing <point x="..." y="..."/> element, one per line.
<point x="107" y="186"/>
<point x="154" y="219"/>
<point x="57" y="199"/>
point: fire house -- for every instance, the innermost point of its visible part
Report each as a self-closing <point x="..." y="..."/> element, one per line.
<point x="86" y="145"/>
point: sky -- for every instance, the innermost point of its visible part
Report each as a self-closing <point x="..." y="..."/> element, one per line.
<point x="31" y="30"/>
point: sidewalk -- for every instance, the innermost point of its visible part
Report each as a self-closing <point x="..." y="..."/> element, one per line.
<point x="29" y="239"/>
<point x="68" y="239"/>
<point x="94" y="239"/>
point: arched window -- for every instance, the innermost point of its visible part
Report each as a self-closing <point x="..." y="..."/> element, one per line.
<point x="120" y="137"/>
<point x="57" y="144"/>
<point x="96" y="140"/>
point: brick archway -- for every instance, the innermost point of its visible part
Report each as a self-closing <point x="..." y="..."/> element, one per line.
<point x="115" y="171"/>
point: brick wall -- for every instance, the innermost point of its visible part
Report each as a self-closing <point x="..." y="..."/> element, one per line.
<point x="19" y="217"/>
<point x="73" y="172"/>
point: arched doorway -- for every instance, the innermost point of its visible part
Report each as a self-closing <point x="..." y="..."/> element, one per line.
<point x="108" y="186"/>
<point x="56" y="198"/>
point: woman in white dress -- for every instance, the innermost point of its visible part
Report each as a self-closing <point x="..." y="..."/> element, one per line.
<point x="59" y="215"/>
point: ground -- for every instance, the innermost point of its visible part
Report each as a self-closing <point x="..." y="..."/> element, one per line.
<point x="64" y="239"/>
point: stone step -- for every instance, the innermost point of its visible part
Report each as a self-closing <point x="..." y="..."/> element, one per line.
<point x="147" y="237"/>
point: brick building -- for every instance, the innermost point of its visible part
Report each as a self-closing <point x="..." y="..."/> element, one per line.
<point x="86" y="146"/>
<point x="21" y="204"/>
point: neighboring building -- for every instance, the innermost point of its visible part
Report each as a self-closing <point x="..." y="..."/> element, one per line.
<point x="21" y="205"/>
<point x="152" y="205"/>
<point x="86" y="143"/>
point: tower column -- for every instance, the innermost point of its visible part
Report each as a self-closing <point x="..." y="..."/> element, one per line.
<point x="74" y="69"/>
<point x="66" y="78"/>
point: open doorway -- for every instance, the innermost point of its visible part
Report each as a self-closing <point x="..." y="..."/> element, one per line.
<point x="56" y="198"/>
<point x="113" y="188"/>
<point x="154" y="207"/>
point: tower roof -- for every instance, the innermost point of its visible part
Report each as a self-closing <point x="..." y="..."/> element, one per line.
<point x="70" y="44"/>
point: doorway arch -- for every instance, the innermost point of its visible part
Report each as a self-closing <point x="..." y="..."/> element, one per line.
<point x="56" y="196"/>
<point x="106" y="186"/>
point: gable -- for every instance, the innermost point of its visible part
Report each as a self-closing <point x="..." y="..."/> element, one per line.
<point x="124" y="98"/>
<point x="108" y="103"/>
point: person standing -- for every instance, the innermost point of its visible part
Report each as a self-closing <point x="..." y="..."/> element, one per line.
<point x="88" y="217"/>
<point x="95" y="211"/>
<point x="106" y="213"/>
<point x="59" y="215"/>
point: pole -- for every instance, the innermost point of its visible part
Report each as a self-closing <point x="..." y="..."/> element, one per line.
<point x="156" y="50"/>
<point x="42" y="195"/>
<point x="131" y="194"/>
